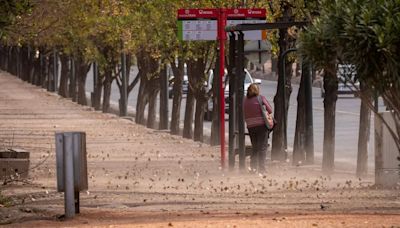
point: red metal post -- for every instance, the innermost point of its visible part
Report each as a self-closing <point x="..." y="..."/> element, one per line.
<point x="221" y="40"/>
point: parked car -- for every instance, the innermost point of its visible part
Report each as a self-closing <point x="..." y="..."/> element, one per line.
<point x="247" y="81"/>
<point x="185" y="85"/>
<point x="171" y="77"/>
<point x="346" y="74"/>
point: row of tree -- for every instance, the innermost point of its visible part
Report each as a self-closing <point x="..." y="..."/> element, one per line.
<point x="81" y="33"/>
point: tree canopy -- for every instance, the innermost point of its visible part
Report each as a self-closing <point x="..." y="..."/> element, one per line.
<point x="364" y="34"/>
<point x="10" y="10"/>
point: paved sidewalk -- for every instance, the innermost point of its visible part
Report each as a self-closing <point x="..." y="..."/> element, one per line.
<point x="149" y="178"/>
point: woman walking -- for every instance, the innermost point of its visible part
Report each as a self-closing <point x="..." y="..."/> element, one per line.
<point x="255" y="122"/>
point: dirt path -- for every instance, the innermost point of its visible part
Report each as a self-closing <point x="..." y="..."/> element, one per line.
<point x="148" y="178"/>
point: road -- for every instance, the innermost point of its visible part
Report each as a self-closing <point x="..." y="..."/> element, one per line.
<point x="347" y="118"/>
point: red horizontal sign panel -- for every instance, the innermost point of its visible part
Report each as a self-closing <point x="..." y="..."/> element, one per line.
<point x="197" y="13"/>
<point x="245" y="13"/>
<point x="213" y="13"/>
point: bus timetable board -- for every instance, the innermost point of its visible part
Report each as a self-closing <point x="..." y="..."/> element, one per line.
<point x="202" y="24"/>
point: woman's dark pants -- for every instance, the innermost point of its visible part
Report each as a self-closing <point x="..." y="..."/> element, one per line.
<point x="259" y="142"/>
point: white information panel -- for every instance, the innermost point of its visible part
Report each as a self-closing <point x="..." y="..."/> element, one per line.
<point x="199" y="35"/>
<point x="199" y="25"/>
<point x="207" y="29"/>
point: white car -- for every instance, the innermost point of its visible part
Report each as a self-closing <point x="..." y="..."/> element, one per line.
<point x="248" y="80"/>
<point x="346" y="73"/>
<point x="185" y="85"/>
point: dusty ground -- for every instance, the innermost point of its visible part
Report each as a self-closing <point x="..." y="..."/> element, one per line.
<point x="148" y="178"/>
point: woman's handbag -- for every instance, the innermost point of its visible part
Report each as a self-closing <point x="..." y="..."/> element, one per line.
<point x="268" y="118"/>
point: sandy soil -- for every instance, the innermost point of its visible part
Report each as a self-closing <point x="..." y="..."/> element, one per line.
<point x="140" y="177"/>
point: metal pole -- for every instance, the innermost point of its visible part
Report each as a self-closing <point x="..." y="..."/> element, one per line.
<point x="232" y="99"/>
<point x="259" y="53"/>
<point x="308" y="111"/>
<point x="123" y="100"/>
<point x="221" y="39"/>
<point x="77" y="151"/>
<point x="240" y="95"/>
<point x="217" y="107"/>
<point x="69" y="198"/>
<point x="282" y="64"/>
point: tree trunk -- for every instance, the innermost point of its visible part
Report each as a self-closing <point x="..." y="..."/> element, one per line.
<point x="151" y="117"/>
<point x="6" y="51"/>
<point x="215" y="138"/>
<point x="29" y="64"/>
<point x="45" y="73"/>
<point x="363" y="133"/>
<point x="299" y="150"/>
<point x="65" y="71"/>
<point x="97" y="92"/>
<point x="198" y="78"/>
<point x="98" y="87"/>
<point x="149" y="86"/>
<point x="36" y="71"/>
<point x="26" y="65"/>
<point x="177" y="91"/>
<point x="163" y="98"/>
<point x="3" y="56"/>
<point x="50" y="73"/>
<point x="12" y="60"/>
<point x="107" y="90"/>
<point x="33" y="60"/>
<point x="330" y="87"/>
<point x="141" y="102"/>
<point x="279" y="140"/>
<point x="199" y="119"/>
<point x="279" y="137"/>
<point x="188" y="121"/>
<point x="128" y="63"/>
<point x="81" y="88"/>
<point x="72" y="80"/>
<point x="82" y="68"/>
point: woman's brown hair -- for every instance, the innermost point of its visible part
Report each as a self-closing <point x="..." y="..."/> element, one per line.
<point x="253" y="90"/>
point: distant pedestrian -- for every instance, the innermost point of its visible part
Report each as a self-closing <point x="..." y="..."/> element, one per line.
<point x="258" y="131"/>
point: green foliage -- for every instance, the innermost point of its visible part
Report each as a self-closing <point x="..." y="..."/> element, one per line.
<point x="318" y="41"/>
<point x="5" y="201"/>
<point x="363" y="33"/>
<point x="9" y="11"/>
<point x="369" y="40"/>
